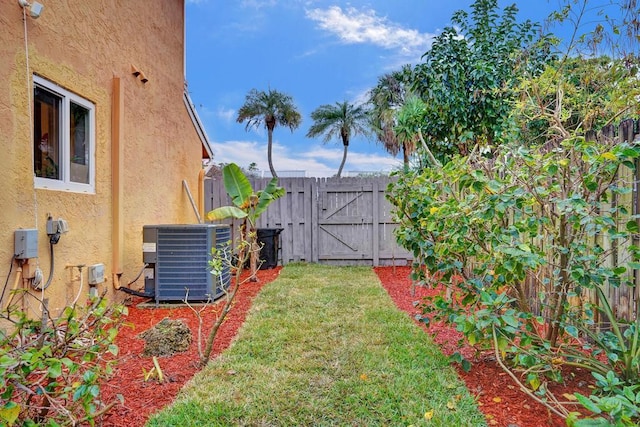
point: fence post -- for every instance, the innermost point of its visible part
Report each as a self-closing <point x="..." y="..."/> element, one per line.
<point x="315" y="217"/>
<point x="375" y="221"/>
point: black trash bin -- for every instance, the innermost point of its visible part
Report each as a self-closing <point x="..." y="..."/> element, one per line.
<point x="269" y="240"/>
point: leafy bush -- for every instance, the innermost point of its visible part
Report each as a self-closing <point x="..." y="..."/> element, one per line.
<point x="50" y="371"/>
<point x="620" y="405"/>
<point x="529" y="223"/>
<point x="521" y="240"/>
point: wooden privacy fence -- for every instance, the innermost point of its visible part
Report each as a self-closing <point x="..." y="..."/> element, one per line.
<point x="623" y="299"/>
<point x="347" y="221"/>
<point x="341" y="221"/>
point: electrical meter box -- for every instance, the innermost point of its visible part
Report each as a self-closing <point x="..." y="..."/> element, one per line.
<point x="26" y="243"/>
<point x="96" y="274"/>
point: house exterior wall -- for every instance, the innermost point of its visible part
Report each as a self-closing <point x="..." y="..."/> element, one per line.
<point x="82" y="46"/>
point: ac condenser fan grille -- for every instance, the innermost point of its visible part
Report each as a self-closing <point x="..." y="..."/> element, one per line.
<point x="182" y="254"/>
<point x="183" y="257"/>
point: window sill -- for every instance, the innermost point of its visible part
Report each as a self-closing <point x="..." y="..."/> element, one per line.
<point x="70" y="187"/>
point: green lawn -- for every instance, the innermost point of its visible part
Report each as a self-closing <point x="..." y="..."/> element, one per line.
<point x="325" y="346"/>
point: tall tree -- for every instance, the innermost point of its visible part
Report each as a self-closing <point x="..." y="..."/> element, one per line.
<point x="271" y="109"/>
<point x="386" y="99"/>
<point x="469" y="78"/>
<point x="342" y="119"/>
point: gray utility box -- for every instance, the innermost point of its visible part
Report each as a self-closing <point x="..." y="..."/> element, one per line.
<point x="177" y="258"/>
<point x="26" y="243"/>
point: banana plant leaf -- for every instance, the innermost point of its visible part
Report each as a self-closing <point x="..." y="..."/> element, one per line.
<point x="237" y="185"/>
<point x="247" y="203"/>
<point x="225" y="212"/>
<point x="266" y="196"/>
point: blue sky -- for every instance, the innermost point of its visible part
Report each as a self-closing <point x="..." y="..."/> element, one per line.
<point x="317" y="51"/>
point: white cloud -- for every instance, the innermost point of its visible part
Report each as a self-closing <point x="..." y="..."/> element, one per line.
<point x="321" y="152"/>
<point x="360" y="96"/>
<point x="355" y="27"/>
<point x="244" y="153"/>
<point x="241" y="152"/>
<point x="226" y="114"/>
<point x="318" y="161"/>
<point x="371" y="161"/>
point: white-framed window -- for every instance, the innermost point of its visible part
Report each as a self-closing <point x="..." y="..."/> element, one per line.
<point x="64" y="139"/>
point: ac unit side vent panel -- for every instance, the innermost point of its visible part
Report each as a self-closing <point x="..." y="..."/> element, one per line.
<point x="182" y="254"/>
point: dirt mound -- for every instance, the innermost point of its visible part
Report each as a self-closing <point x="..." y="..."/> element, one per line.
<point x="166" y="338"/>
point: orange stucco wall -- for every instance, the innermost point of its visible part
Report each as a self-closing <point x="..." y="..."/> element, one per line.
<point x="82" y="46"/>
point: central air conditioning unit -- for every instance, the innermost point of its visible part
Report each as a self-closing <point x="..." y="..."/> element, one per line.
<point x="177" y="258"/>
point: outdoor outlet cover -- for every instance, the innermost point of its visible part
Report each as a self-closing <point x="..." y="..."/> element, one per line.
<point x="96" y="274"/>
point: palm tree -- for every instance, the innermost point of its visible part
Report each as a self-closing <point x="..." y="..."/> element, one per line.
<point x="386" y="98"/>
<point x="271" y="108"/>
<point x="342" y="119"/>
<point x="408" y="129"/>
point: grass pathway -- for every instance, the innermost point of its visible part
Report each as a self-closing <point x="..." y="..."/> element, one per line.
<point x="325" y="346"/>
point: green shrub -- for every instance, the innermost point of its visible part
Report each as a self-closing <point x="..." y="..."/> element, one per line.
<point x="50" y="371"/>
<point x="489" y="227"/>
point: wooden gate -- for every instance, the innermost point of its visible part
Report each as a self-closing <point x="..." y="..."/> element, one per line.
<point x="353" y="224"/>
<point x="345" y="221"/>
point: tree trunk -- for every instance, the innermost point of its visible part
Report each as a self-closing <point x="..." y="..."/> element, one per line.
<point x="253" y="255"/>
<point x="204" y="358"/>
<point x="405" y="155"/>
<point x="269" y="146"/>
<point x="559" y="296"/>
<point x="344" y="159"/>
<point x="432" y="159"/>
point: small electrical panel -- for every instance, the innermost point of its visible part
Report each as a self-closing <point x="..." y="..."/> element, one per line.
<point x="57" y="226"/>
<point x="96" y="274"/>
<point x="26" y="243"/>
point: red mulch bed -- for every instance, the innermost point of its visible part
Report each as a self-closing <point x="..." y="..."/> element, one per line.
<point x="499" y="399"/>
<point x="143" y="398"/>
